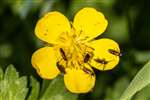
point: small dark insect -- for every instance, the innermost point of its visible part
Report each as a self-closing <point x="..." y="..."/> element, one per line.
<point x="61" y="68"/>
<point x="88" y="71"/>
<point x="114" y="52"/>
<point x="86" y="58"/>
<point x="102" y="61"/>
<point x="63" y="54"/>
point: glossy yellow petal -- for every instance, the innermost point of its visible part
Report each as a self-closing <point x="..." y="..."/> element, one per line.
<point x="44" y="61"/>
<point x="79" y="80"/>
<point x="106" y="54"/>
<point x="89" y="23"/>
<point x="51" y="26"/>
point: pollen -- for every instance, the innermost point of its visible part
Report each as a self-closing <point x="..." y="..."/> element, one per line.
<point x="72" y="52"/>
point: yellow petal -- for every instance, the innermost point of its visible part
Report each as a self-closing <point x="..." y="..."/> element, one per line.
<point x="51" y="26"/>
<point x="90" y="23"/>
<point x="79" y="81"/>
<point x="44" y="61"/>
<point x="102" y="54"/>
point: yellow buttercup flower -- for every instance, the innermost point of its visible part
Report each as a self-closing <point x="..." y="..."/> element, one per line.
<point x="71" y="49"/>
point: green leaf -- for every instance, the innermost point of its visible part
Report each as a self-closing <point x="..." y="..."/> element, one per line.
<point x="35" y="86"/>
<point x="57" y="91"/>
<point x="11" y="73"/>
<point x="45" y="84"/>
<point x="141" y="80"/>
<point x="143" y="94"/>
<point x="1" y="74"/>
<point x="20" y="87"/>
<point x="13" y="87"/>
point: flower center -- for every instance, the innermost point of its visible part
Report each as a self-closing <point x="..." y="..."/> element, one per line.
<point x="72" y="52"/>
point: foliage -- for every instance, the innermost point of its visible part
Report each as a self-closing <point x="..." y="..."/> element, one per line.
<point x="141" y="80"/>
<point x="14" y="87"/>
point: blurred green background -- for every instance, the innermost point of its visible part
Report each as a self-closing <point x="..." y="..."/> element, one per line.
<point x="129" y="25"/>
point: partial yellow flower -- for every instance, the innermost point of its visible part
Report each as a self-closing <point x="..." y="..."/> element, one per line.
<point x="72" y="52"/>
